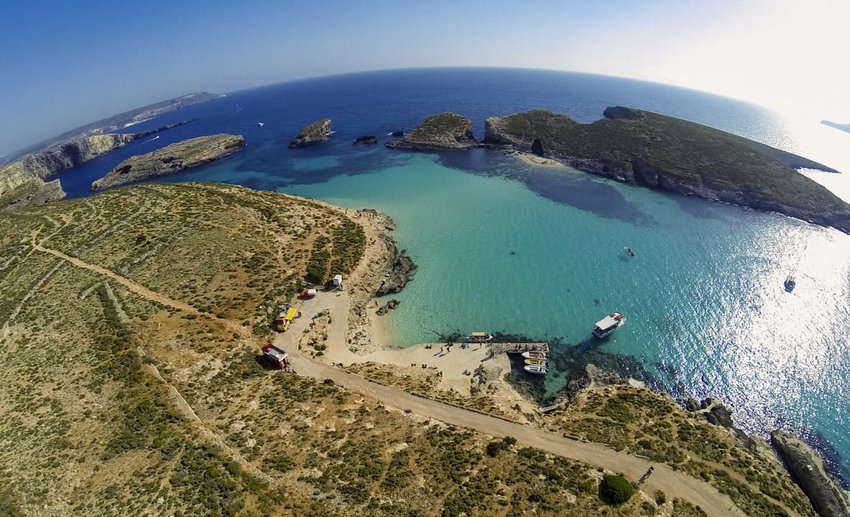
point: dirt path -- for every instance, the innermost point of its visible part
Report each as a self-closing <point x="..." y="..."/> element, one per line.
<point x="126" y="282"/>
<point x="672" y="483"/>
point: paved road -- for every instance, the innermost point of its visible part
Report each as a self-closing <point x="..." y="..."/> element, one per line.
<point x="672" y="483"/>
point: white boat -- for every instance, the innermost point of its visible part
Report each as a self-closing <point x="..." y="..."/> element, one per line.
<point x="479" y="337"/>
<point x="537" y="369"/>
<point x="531" y="354"/>
<point x="608" y="324"/>
<point x="261" y="124"/>
<point x="536" y="361"/>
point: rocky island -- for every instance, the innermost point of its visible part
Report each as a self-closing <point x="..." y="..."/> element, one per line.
<point x="670" y="154"/>
<point x="440" y="132"/>
<point x="171" y="159"/>
<point x="313" y="134"/>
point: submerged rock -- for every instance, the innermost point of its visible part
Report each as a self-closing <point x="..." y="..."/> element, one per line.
<point x="443" y="131"/>
<point x="171" y="159"/>
<point x="807" y="470"/>
<point x="387" y="307"/>
<point x="312" y="134"/>
<point x="366" y="140"/>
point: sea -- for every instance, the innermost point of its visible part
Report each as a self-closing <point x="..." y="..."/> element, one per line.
<point x="538" y="252"/>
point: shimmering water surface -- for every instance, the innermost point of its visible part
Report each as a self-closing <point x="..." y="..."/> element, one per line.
<point x="505" y="246"/>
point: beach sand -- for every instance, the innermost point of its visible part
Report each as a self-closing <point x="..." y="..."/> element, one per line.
<point x="538" y="161"/>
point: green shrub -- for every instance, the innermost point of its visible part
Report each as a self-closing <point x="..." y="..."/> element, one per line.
<point x="615" y="489"/>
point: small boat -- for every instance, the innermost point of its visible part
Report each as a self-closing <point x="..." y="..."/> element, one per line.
<point x="537" y="369"/>
<point x="536" y="361"/>
<point x="479" y="337"/>
<point x="261" y="124"/>
<point x="630" y="251"/>
<point x="608" y="324"/>
<point x="790" y="283"/>
<point x="531" y="354"/>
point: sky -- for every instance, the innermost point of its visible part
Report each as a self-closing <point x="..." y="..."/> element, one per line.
<point x="66" y="63"/>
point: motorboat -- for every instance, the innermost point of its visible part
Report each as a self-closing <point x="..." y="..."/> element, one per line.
<point x="536" y="369"/>
<point x="608" y="324"/>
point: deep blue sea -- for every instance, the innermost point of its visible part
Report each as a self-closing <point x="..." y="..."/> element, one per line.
<point x="505" y="246"/>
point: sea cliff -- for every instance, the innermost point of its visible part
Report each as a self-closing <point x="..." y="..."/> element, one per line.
<point x="443" y="131"/>
<point x="171" y="159"/>
<point x="665" y="153"/>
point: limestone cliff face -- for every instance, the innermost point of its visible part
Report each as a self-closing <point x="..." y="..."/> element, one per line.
<point x="665" y="153"/>
<point x="440" y="132"/>
<point x="312" y="134"/>
<point x="807" y="469"/>
<point x="34" y="168"/>
<point x="171" y="159"/>
<point x="74" y="153"/>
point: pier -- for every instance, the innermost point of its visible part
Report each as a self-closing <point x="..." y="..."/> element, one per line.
<point x="517" y="348"/>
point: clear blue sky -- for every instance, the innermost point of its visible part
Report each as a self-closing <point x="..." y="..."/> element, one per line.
<point x="65" y="63"/>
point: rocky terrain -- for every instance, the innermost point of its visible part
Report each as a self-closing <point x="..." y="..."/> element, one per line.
<point x="22" y="182"/>
<point x="171" y="159"/>
<point x="807" y="468"/>
<point x="313" y="134"/>
<point x="443" y="131"/>
<point x="657" y="151"/>
<point x="366" y="140"/>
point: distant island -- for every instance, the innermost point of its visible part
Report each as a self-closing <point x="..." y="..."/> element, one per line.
<point x="313" y="134"/>
<point x="840" y="127"/>
<point x="171" y="159"/>
<point x="652" y="150"/>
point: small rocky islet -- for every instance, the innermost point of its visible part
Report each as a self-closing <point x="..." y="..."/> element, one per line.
<point x="312" y="134"/>
<point x="171" y="159"/>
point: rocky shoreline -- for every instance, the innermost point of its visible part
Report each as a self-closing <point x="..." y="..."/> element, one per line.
<point x="171" y="159"/>
<point x="650" y="150"/>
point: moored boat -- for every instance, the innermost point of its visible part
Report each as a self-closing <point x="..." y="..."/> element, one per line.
<point x="536" y="361"/>
<point x="608" y="324"/>
<point x="479" y="337"/>
<point x="531" y="354"/>
<point x="537" y="369"/>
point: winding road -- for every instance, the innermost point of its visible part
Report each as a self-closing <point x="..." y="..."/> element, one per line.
<point x="664" y="478"/>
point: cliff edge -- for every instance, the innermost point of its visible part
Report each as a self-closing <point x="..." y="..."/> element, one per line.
<point x="171" y="159"/>
<point x="807" y="469"/>
<point x="674" y="155"/>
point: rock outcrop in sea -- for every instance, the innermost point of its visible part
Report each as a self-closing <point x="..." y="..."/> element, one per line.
<point x="400" y="272"/>
<point x="366" y="140"/>
<point x="312" y="134"/>
<point x="807" y="470"/>
<point x="670" y="154"/>
<point x="440" y="132"/>
<point x="171" y="159"/>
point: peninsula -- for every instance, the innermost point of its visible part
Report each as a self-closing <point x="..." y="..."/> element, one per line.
<point x="440" y="132"/>
<point x="171" y="159"/>
<point x="657" y="151"/>
<point x="312" y="134"/>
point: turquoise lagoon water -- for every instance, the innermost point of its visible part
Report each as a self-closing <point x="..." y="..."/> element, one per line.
<point x="505" y="246"/>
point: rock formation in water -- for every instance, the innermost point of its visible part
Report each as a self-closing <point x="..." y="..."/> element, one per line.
<point x="312" y="134"/>
<point x="401" y="271"/>
<point x="807" y="469"/>
<point x="443" y="131"/>
<point x="171" y="159"/>
<point x="670" y="154"/>
<point x="366" y="140"/>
